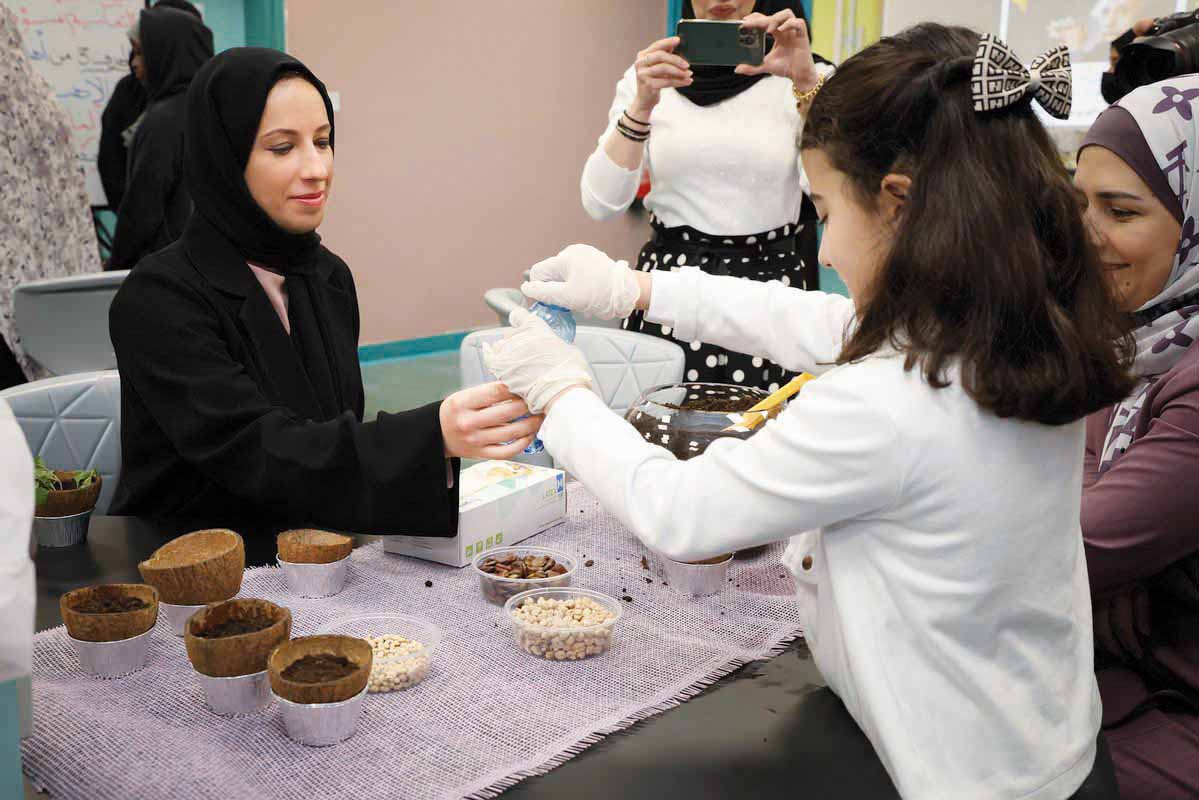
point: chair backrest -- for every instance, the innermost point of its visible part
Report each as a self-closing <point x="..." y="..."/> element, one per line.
<point x="73" y="422"/>
<point x="502" y="301"/>
<point x="63" y="322"/>
<point x="624" y="364"/>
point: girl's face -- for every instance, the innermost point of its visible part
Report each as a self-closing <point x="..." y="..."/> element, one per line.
<point x="290" y="170"/>
<point x="856" y="240"/>
<point x="1136" y="236"/>
<point x="722" y="9"/>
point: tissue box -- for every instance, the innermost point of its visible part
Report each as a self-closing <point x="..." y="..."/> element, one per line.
<point x="500" y="503"/>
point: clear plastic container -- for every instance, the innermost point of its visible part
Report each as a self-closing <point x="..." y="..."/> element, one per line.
<point x="498" y="590"/>
<point x="395" y="672"/>
<point x="563" y="643"/>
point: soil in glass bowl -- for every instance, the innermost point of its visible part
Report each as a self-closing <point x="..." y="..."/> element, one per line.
<point x="685" y="418"/>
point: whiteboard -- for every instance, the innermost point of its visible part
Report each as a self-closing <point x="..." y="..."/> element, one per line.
<point x="81" y="48"/>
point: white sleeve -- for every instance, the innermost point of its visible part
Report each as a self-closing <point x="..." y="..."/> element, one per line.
<point x="802" y="331"/>
<point x="832" y="455"/>
<point x="606" y="187"/>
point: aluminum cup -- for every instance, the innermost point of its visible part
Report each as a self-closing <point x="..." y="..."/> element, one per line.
<point x="696" y="580"/>
<point x="314" y="580"/>
<point x="113" y="659"/>
<point x="236" y="696"/>
<point x="177" y="616"/>
<point x="320" y="724"/>
<point x="61" y="531"/>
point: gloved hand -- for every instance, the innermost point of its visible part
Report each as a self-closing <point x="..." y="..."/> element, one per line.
<point x="534" y="363"/>
<point x="586" y="281"/>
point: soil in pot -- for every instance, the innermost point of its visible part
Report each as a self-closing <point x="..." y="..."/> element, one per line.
<point x="108" y="600"/>
<point x="319" y="668"/>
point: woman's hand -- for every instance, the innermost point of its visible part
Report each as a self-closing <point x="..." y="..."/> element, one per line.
<point x="482" y="422"/>
<point x="585" y="280"/>
<point x="534" y="363"/>
<point x="1121" y="622"/>
<point x="657" y="68"/>
<point x="791" y="56"/>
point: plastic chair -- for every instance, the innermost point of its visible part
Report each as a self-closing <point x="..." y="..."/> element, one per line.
<point x="624" y="364"/>
<point x="63" y="322"/>
<point x="73" y="422"/>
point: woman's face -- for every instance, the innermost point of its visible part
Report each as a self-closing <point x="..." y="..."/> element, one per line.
<point x="137" y="61"/>
<point x="855" y="240"/>
<point x="290" y="170"/>
<point x="722" y="9"/>
<point x="1137" y="237"/>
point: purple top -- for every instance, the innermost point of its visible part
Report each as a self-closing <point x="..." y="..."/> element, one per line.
<point x="1141" y="516"/>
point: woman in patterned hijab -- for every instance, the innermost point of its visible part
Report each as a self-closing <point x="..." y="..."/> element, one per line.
<point x="45" y="215"/>
<point x="1139" y="508"/>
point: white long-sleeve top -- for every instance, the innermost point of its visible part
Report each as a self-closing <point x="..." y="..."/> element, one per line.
<point x="937" y="551"/>
<point x="731" y="168"/>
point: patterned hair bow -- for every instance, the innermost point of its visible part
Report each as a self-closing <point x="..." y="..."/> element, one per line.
<point x="999" y="79"/>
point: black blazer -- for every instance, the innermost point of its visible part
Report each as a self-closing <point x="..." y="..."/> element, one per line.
<point x="220" y="424"/>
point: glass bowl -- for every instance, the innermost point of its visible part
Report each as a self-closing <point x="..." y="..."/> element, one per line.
<point x="685" y="418"/>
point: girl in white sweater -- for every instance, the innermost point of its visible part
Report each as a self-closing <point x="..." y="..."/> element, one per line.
<point x="928" y="480"/>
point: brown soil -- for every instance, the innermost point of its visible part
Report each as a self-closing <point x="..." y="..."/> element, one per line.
<point x="319" y="669"/>
<point x="107" y="600"/>
<point x="723" y="405"/>
<point x="236" y="627"/>
<point x="716" y="560"/>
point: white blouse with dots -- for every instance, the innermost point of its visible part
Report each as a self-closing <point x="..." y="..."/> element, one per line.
<point x="731" y="168"/>
<point x="936" y="548"/>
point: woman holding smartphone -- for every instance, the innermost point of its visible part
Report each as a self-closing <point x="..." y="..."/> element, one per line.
<point x="727" y="184"/>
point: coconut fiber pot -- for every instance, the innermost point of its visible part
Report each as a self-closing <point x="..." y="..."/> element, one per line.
<point x="226" y="656"/>
<point x="313" y="546"/>
<point x="356" y="651"/>
<point x="197" y="568"/>
<point x="69" y="502"/>
<point x="108" y="626"/>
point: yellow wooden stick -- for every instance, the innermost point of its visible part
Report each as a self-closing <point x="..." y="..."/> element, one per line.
<point x="752" y="419"/>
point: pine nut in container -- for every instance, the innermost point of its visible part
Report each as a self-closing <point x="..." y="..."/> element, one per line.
<point x="403" y="647"/>
<point x="564" y="624"/>
<point x="508" y="571"/>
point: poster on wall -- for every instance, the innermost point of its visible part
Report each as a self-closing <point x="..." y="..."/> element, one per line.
<point x="1087" y="27"/>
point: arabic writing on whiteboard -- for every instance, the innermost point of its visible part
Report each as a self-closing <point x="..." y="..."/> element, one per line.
<point x="81" y="48"/>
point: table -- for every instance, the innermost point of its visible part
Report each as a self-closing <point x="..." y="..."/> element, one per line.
<point x="770" y="729"/>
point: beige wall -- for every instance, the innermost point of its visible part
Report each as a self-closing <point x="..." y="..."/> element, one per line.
<point x="460" y="142"/>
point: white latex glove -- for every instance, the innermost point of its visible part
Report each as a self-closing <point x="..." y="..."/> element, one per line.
<point x="534" y="363"/>
<point x="586" y="281"/>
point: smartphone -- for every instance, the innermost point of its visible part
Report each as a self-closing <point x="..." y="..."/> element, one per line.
<point x="719" y="43"/>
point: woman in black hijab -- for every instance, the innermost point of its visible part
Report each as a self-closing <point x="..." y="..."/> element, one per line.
<point x="720" y="146"/>
<point x="125" y="106"/>
<point x="155" y="205"/>
<point x="241" y="393"/>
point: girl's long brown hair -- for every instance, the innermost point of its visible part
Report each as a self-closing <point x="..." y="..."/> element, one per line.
<point x="991" y="265"/>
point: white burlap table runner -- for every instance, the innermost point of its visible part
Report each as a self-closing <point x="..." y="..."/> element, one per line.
<point x="487" y="716"/>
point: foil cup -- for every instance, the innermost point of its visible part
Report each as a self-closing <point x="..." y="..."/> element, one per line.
<point x="314" y="580"/>
<point x="696" y="580"/>
<point x="61" y="531"/>
<point x="320" y="724"/>
<point x="236" y="696"/>
<point x="113" y="659"/>
<point x="177" y="616"/>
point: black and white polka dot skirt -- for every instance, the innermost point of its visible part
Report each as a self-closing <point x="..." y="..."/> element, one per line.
<point x="786" y="254"/>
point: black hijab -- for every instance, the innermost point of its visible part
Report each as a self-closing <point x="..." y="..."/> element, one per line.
<point x="175" y="44"/>
<point x="224" y="107"/>
<point x="713" y="84"/>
